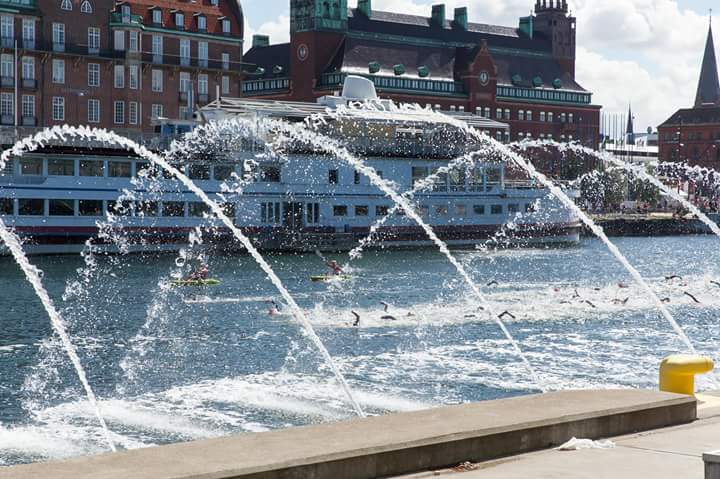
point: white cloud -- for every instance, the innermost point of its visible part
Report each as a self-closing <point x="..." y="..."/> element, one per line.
<point x="644" y="51"/>
<point x="278" y="30"/>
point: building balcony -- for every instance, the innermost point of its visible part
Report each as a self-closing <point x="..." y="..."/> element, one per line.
<point x="7" y="82"/>
<point x="28" y="44"/>
<point x="7" y="120"/>
<point x="7" y="42"/>
<point x="185" y="61"/>
<point x="203" y="98"/>
<point x="183" y="96"/>
<point x="29" y="121"/>
<point x="58" y="47"/>
<point x="29" y="84"/>
<point x="202" y="62"/>
<point x="18" y="3"/>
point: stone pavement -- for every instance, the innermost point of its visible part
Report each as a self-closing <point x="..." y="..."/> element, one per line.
<point x="669" y="453"/>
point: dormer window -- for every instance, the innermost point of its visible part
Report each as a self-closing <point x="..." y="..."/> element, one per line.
<point x="157" y="16"/>
<point x="125" y="13"/>
<point x="226" y="26"/>
<point x="66" y="5"/>
<point x="202" y="23"/>
<point x="214" y="3"/>
<point x="86" y="7"/>
<point x="179" y="20"/>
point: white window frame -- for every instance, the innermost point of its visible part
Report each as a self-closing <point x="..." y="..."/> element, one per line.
<point x="119" y="112"/>
<point x="58" y="108"/>
<point x="134" y="41"/>
<point x="185" y="81"/>
<point x="93" y="39"/>
<point x="28" y="106"/>
<point x="7" y="29"/>
<point x="179" y="18"/>
<point x="119" y="40"/>
<point x="203" y="84"/>
<point x="133" y="77"/>
<point x="185" y="51"/>
<point x="7" y="104"/>
<point x="28" y="68"/>
<point x="226" y="26"/>
<point x="202" y="23"/>
<point x="58" y="71"/>
<point x="93" y="75"/>
<point x="225" y="85"/>
<point x="225" y="57"/>
<point x="28" y="32"/>
<point x="157" y="80"/>
<point x="66" y="5"/>
<point x="93" y="110"/>
<point x="133" y="113"/>
<point x="203" y="49"/>
<point x="119" y="76"/>
<point x="157" y="16"/>
<point x="58" y="34"/>
<point x="7" y="65"/>
<point x="156" y="111"/>
<point x="86" y="7"/>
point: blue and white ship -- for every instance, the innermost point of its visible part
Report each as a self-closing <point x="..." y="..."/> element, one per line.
<point x="300" y="201"/>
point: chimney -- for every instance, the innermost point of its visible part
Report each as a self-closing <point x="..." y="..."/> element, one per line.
<point x="527" y="26"/>
<point x="365" y="6"/>
<point x="438" y="15"/>
<point x="461" y="18"/>
<point x="260" y="41"/>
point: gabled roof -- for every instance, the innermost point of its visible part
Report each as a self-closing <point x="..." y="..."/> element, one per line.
<point x="708" y="92"/>
<point x="694" y="116"/>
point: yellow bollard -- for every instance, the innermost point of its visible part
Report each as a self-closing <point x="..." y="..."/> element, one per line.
<point x="677" y="372"/>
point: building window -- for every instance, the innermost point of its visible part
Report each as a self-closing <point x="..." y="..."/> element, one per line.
<point x="179" y="20"/>
<point x="157" y="48"/>
<point x="184" y="51"/>
<point x="203" y="54"/>
<point x="225" y="88"/>
<point x="550" y="117"/>
<point x="202" y="23"/>
<point x="31" y="207"/>
<point x="156" y="111"/>
<point x="225" y="61"/>
<point x="133" y="77"/>
<point x="61" y="167"/>
<point x="93" y="40"/>
<point x="93" y="74"/>
<point x="340" y="210"/>
<point x="119" y="40"/>
<point x="570" y="118"/>
<point x="133" y="113"/>
<point x="7" y="30"/>
<point x="93" y="115"/>
<point x="58" y="71"/>
<point x="7" y="66"/>
<point x="133" y="43"/>
<point x="28" y="33"/>
<point x="498" y="113"/>
<point x="7" y="104"/>
<point x="226" y="26"/>
<point x="507" y="114"/>
<point x="58" y="108"/>
<point x="185" y="85"/>
<point x="496" y="209"/>
<point x="202" y="84"/>
<point x="58" y="36"/>
<point x="157" y="16"/>
<point x="66" y="5"/>
<point x="86" y="7"/>
<point x="28" y="106"/>
<point x="119" y="112"/>
<point x="119" y="76"/>
<point x="521" y="115"/>
<point x="542" y="116"/>
<point x="157" y="80"/>
<point x="529" y="115"/>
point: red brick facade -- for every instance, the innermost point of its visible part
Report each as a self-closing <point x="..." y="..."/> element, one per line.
<point x="92" y="61"/>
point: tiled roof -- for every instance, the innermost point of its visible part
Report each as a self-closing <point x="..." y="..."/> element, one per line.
<point x="694" y="116"/>
<point x="268" y="58"/>
<point x="528" y="68"/>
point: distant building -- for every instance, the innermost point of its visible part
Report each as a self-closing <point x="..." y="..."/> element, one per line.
<point x="114" y="64"/>
<point x="523" y="76"/>
<point x="693" y="134"/>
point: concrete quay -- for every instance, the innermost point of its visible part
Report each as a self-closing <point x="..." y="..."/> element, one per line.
<point x="390" y="445"/>
<point x="667" y="453"/>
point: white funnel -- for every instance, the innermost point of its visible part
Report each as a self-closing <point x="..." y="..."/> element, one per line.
<point x="358" y="88"/>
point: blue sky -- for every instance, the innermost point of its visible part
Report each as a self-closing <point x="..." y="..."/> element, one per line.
<point x="646" y="52"/>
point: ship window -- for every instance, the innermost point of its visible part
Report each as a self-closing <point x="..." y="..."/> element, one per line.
<point x="90" y="207"/>
<point x="61" y="207"/>
<point x="223" y="172"/>
<point x="496" y="209"/>
<point x="362" y="210"/>
<point x="457" y="180"/>
<point x="333" y="177"/>
<point x="424" y="211"/>
<point x="91" y="168"/>
<point x="313" y="213"/>
<point x="31" y="207"/>
<point x="513" y="208"/>
<point x="119" y="169"/>
<point x="270" y="212"/>
<point x="479" y="209"/>
<point x="270" y="174"/>
<point x="198" y="209"/>
<point x="356" y="178"/>
<point x="529" y="208"/>
<point x="493" y="177"/>
<point x="147" y="208"/>
<point x="340" y="210"/>
<point x="441" y="210"/>
<point x="119" y="208"/>
<point x="381" y="210"/>
<point x="6" y="206"/>
<point x="145" y="170"/>
<point x="419" y="173"/>
<point x="31" y="166"/>
<point x="58" y="167"/>
<point x="460" y="210"/>
<point x="199" y="172"/>
<point x="229" y="209"/>
<point x="173" y="209"/>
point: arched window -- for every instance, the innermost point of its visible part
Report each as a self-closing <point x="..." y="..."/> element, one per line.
<point x="66" y="5"/>
<point x="86" y="7"/>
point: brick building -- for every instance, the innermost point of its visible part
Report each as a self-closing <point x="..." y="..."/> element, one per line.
<point x="523" y="76"/>
<point x="692" y="135"/>
<point x="114" y="64"/>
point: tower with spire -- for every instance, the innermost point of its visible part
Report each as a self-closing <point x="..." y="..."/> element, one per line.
<point x="630" y="130"/>
<point x="708" y="91"/>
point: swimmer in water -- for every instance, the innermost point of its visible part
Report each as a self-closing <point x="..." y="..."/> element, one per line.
<point x="670" y="278"/>
<point x="274" y="308"/>
<point x="493" y="283"/>
<point x="356" y="323"/>
<point x="507" y="313"/>
<point x="385" y="306"/>
<point x="691" y="297"/>
<point x="715" y="283"/>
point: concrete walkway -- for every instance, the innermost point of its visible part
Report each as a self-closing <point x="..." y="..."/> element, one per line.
<point x="669" y="453"/>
